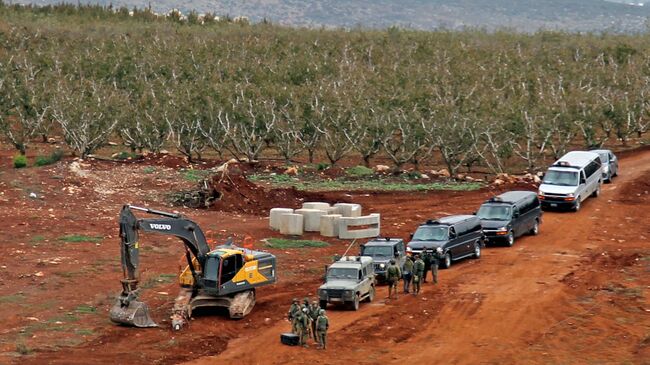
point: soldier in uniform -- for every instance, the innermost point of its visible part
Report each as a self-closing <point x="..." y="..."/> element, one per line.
<point x="426" y="257"/>
<point x="303" y="326"/>
<point x="418" y="271"/>
<point x="314" y="311"/>
<point x="407" y="273"/>
<point x="393" y="274"/>
<point x="435" y="262"/>
<point x="305" y="303"/>
<point x="293" y="314"/>
<point x="322" y="325"/>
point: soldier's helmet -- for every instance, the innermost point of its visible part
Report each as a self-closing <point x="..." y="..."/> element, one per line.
<point x="321" y="312"/>
<point x="295" y="300"/>
<point x="392" y="261"/>
<point x="314" y="302"/>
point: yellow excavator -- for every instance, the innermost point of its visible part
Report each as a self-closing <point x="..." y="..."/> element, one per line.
<point x="223" y="277"/>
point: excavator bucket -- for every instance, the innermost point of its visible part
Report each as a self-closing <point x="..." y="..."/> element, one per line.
<point x="134" y="314"/>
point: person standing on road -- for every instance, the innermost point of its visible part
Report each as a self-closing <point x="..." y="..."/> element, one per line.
<point x="393" y="274"/>
<point x="435" y="263"/>
<point x="322" y="325"/>
<point x="293" y="315"/>
<point x="426" y="257"/>
<point x="314" y="311"/>
<point x="407" y="273"/>
<point x="303" y="326"/>
<point x="418" y="271"/>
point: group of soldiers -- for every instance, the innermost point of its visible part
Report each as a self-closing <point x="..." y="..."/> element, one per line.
<point x="309" y="320"/>
<point x="414" y="270"/>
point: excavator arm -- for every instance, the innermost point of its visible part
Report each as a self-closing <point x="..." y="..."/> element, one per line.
<point x="127" y="309"/>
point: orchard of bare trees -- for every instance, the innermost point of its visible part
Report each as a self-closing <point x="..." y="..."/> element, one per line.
<point x="467" y="99"/>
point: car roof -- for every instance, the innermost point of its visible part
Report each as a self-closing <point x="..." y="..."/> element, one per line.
<point x="511" y="197"/>
<point x="450" y="220"/>
<point x="353" y="261"/>
<point x="600" y="150"/>
<point x="384" y="241"/>
<point x="577" y="158"/>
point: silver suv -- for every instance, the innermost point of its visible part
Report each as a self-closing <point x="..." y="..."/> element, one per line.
<point x="349" y="281"/>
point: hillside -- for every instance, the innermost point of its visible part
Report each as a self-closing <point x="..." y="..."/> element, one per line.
<point x="522" y="15"/>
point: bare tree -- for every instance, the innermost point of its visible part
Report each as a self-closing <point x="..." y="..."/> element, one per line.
<point x="87" y="113"/>
<point x="26" y="102"/>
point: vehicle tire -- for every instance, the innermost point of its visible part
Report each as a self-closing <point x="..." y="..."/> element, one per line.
<point x="608" y="180"/>
<point x="446" y="261"/>
<point x="535" y="230"/>
<point x="615" y="173"/>
<point x="576" y="207"/>
<point x="596" y="192"/>
<point x="477" y="250"/>
<point x="323" y="304"/>
<point x="354" y="305"/>
<point x="371" y="294"/>
<point x="510" y="240"/>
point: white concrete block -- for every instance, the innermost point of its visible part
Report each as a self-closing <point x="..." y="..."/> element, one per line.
<point x="275" y="217"/>
<point x="316" y="205"/>
<point x="311" y="219"/>
<point x="372" y="223"/>
<point x="348" y="209"/>
<point x="291" y="224"/>
<point x="332" y="210"/>
<point x="329" y="225"/>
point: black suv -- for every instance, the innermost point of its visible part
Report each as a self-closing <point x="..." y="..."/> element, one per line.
<point x="510" y="215"/>
<point x="382" y="250"/>
<point x="458" y="236"/>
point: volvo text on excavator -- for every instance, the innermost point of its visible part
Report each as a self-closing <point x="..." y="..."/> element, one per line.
<point x="223" y="277"/>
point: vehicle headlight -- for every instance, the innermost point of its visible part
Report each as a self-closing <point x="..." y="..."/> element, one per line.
<point x="381" y="266"/>
<point x="502" y="229"/>
<point x="409" y="249"/>
<point x="349" y="292"/>
<point x="570" y="195"/>
<point x="606" y="168"/>
<point x="541" y="193"/>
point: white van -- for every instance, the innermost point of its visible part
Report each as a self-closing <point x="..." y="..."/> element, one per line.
<point x="570" y="180"/>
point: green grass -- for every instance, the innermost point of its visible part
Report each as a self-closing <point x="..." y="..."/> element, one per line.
<point x="76" y="238"/>
<point x="359" y="171"/>
<point x="149" y="170"/>
<point x="84" y="332"/>
<point x="194" y="175"/>
<point x="37" y="238"/>
<point x="85" y="309"/>
<point x="283" y="243"/>
<point x="12" y="298"/>
<point x="341" y="184"/>
<point x="158" y="280"/>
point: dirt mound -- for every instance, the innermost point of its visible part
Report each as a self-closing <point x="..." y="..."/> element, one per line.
<point x="230" y="191"/>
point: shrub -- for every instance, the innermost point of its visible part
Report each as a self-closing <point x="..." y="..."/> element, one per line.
<point x="48" y="160"/>
<point x="322" y="166"/>
<point x="283" y="243"/>
<point x="20" y="161"/>
<point x="359" y="171"/>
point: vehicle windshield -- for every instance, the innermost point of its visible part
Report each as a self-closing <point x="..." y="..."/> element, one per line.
<point x="494" y="212"/>
<point x="378" y="251"/>
<point x="562" y="178"/>
<point x="603" y="157"/>
<point x="342" y="273"/>
<point x="426" y="233"/>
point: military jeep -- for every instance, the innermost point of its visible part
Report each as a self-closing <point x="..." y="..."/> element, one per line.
<point x="382" y="250"/>
<point x="348" y="281"/>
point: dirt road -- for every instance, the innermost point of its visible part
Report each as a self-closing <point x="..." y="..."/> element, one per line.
<point x="514" y="305"/>
<point x="578" y="293"/>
